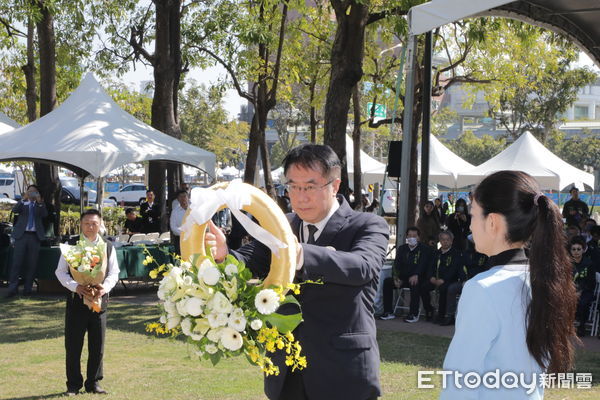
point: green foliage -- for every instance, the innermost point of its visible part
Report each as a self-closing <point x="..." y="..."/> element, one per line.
<point x="578" y="151"/>
<point x="527" y="74"/>
<point x="135" y="103"/>
<point x="474" y="149"/>
<point x="203" y="122"/>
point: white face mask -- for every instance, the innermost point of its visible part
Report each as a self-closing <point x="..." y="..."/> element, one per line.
<point x="411" y="241"/>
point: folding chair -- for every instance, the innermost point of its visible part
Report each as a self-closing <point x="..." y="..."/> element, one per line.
<point x="164" y="237"/>
<point x="124" y="238"/>
<point x="594" y="316"/>
<point x="138" y="237"/>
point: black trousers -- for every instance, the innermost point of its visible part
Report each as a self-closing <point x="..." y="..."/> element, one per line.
<point x="24" y="262"/>
<point x="293" y="388"/>
<point x="388" y="296"/>
<point x="176" y="240"/>
<point x="79" y="319"/>
<point x="426" y="288"/>
<point x="453" y="290"/>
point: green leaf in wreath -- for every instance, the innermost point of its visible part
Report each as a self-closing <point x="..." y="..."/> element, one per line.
<point x="284" y="323"/>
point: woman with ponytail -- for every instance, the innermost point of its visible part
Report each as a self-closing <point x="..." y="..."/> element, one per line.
<point x="518" y="317"/>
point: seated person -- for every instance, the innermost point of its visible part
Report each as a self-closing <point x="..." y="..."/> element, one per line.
<point x="585" y="280"/>
<point x="133" y="223"/>
<point x="411" y="263"/>
<point x="473" y="264"/>
<point x="443" y="272"/>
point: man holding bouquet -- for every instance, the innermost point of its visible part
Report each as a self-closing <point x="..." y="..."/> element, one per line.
<point x="90" y="271"/>
<point x="342" y="249"/>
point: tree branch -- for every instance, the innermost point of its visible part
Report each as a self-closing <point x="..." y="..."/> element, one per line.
<point x="374" y="17"/>
<point x="236" y="83"/>
<point x="11" y="30"/>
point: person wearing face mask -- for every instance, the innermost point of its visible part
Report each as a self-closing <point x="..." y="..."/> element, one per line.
<point x="458" y="223"/>
<point x="443" y="272"/>
<point x="585" y="280"/>
<point x="28" y="232"/>
<point x="411" y="263"/>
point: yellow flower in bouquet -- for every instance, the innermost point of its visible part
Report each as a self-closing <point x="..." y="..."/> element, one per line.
<point x="224" y="315"/>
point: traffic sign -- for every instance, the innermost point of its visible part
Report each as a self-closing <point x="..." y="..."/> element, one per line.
<point x="380" y="110"/>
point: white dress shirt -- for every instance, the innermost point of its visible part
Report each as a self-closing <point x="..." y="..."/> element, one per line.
<point x="320" y="225"/>
<point x="65" y="278"/>
<point x="491" y="334"/>
<point x="176" y="219"/>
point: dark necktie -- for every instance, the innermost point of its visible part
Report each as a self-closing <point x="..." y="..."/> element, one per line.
<point x="311" y="233"/>
<point x="30" y="217"/>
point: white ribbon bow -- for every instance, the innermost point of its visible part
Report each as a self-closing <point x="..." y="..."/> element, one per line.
<point x="205" y="203"/>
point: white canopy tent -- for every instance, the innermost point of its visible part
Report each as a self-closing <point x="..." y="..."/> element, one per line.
<point x="529" y="155"/>
<point x="90" y="134"/>
<point x="444" y="165"/>
<point x="6" y="123"/>
<point x="372" y="170"/>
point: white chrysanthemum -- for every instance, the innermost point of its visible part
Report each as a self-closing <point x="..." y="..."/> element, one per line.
<point x="220" y="303"/>
<point x="231" y="339"/>
<point x="196" y="336"/>
<point x="173" y="321"/>
<point x="175" y="272"/>
<point x="236" y="322"/>
<point x="214" y="335"/>
<point x="161" y="293"/>
<point x="211" y="276"/>
<point x="185" y="265"/>
<point x="216" y="320"/>
<point x="206" y="263"/>
<point x="181" y="307"/>
<point x="194" y="306"/>
<point x="186" y="326"/>
<point x="231" y="269"/>
<point x="266" y="301"/>
<point x="256" y="324"/>
<point x="211" y="348"/>
<point x="170" y="307"/>
<point x="163" y="319"/>
<point x="237" y="312"/>
<point x="187" y="280"/>
<point x="169" y="282"/>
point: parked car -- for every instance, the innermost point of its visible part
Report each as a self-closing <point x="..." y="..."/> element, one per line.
<point x="388" y="201"/>
<point x="7" y="188"/>
<point x="133" y="193"/>
<point x="70" y="195"/>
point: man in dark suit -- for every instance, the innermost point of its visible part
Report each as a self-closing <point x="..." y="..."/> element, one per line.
<point x="150" y="212"/>
<point x="346" y="250"/>
<point x="28" y="233"/>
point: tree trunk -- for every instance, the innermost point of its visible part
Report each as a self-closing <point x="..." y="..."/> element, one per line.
<point x="313" y="112"/>
<point x="46" y="175"/>
<point x="29" y="71"/>
<point x="358" y="205"/>
<point x="252" y="156"/>
<point x="167" y="71"/>
<point x="346" y="71"/>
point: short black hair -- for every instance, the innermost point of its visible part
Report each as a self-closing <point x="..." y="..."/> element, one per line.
<point x="314" y="156"/>
<point x="33" y="186"/>
<point x="414" y="229"/>
<point x="129" y="210"/>
<point x="180" y="192"/>
<point x="573" y="188"/>
<point x="149" y="191"/>
<point x="578" y="240"/>
<point x="90" y="211"/>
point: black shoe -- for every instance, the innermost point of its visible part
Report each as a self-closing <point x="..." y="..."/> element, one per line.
<point x="30" y="293"/>
<point x="448" y="321"/>
<point x="96" y="390"/>
<point x="411" y="319"/>
<point x="439" y="319"/>
<point x="10" y="295"/>
<point x="71" y="392"/>
<point x="581" y="331"/>
<point x="387" y="316"/>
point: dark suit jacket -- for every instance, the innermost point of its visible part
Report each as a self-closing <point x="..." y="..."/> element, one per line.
<point x="150" y="217"/>
<point x="338" y="334"/>
<point x="21" y="225"/>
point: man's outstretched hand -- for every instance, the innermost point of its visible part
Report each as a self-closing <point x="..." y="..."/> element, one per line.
<point x="216" y="241"/>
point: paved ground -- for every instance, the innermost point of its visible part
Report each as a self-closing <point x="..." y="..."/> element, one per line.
<point x="142" y="295"/>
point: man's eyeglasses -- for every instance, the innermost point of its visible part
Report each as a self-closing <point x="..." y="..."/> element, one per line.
<point x="308" y="189"/>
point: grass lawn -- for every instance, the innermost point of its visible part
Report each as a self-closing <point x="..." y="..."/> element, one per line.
<point x="138" y="366"/>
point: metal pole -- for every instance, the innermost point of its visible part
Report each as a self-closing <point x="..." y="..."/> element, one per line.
<point x="426" y="124"/>
<point x="402" y="215"/>
<point x="81" y="193"/>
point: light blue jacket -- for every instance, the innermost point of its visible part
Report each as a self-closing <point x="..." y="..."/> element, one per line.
<point x="491" y="335"/>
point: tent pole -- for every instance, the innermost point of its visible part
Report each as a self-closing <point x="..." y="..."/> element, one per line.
<point x="81" y="193"/>
<point x="426" y="125"/>
<point x="402" y="211"/>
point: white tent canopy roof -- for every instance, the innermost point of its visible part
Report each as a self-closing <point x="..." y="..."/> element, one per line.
<point x="444" y="165"/>
<point x="7" y="123"/>
<point x="90" y="132"/>
<point x="427" y="16"/>
<point x="529" y="155"/>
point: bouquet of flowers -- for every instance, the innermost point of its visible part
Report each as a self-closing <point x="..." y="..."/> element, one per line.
<point x="223" y="314"/>
<point x="87" y="264"/>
